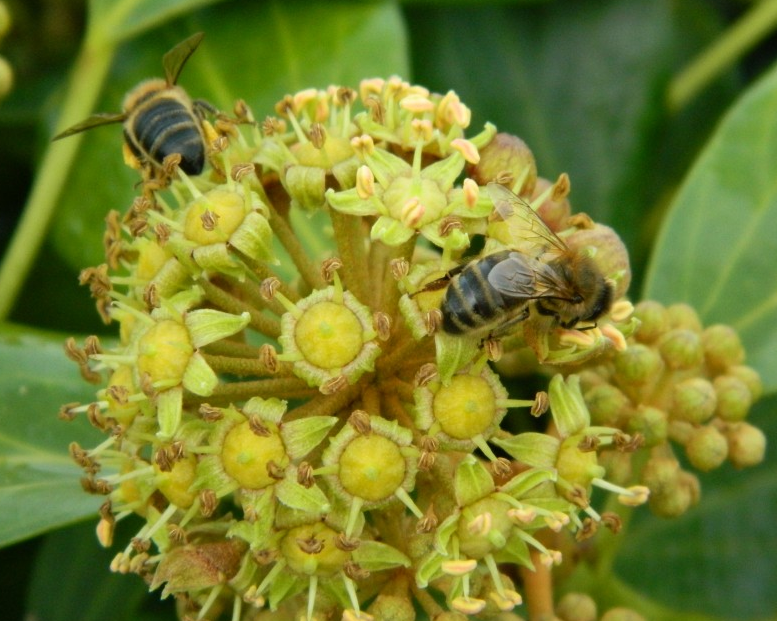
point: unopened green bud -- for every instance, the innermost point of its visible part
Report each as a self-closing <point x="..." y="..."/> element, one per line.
<point x="746" y="445"/>
<point x="653" y="321"/>
<point x="618" y="467"/>
<point x="673" y="503"/>
<point x="734" y="398"/>
<point x="693" y="400"/>
<point x="706" y="448"/>
<point x="750" y="377"/>
<point x="651" y="422"/>
<point x="392" y="608"/>
<point x="607" y="404"/>
<point x="637" y="369"/>
<point x="576" y="607"/>
<point x="681" y="349"/>
<point x="506" y="154"/>
<point x="683" y="316"/>
<point x="622" y="614"/>
<point x="722" y="347"/>
<point x="661" y="475"/>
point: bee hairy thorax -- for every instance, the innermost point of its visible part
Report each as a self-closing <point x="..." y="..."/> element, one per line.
<point x="162" y="121"/>
<point x="591" y="294"/>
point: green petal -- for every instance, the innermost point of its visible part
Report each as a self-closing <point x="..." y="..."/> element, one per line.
<point x="533" y="449"/>
<point x="169" y="407"/>
<point x="453" y="353"/>
<point x="207" y="325"/>
<point x="270" y="410"/>
<point x="377" y="556"/>
<point x="570" y="412"/>
<point x="198" y="377"/>
<point x="472" y="481"/>
<point x="303" y="435"/>
<point x="390" y="231"/>
<point x="522" y="483"/>
<point x="254" y="238"/>
<point x="308" y="499"/>
<point x="349" y="202"/>
<point x="306" y="186"/>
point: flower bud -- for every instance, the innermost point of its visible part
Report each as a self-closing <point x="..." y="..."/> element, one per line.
<point x="683" y="316"/>
<point x="392" y="608"/>
<point x="681" y="349"/>
<point x="576" y="607"/>
<point x="653" y="321"/>
<point x="607" y="404"/>
<point x="506" y="154"/>
<point x="637" y="369"/>
<point x="661" y="475"/>
<point x="693" y="400"/>
<point x="722" y="347"/>
<point x="651" y="422"/>
<point x="622" y="614"/>
<point x="750" y="377"/>
<point x="746" y="445"/>
<point x="706" y="448"/>
<point x="734" y="398"/>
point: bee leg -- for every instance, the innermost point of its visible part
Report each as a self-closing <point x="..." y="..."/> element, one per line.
<point x="508" y="326"/>
<point x="441" y="282"/>
<point x="202" y="107"/>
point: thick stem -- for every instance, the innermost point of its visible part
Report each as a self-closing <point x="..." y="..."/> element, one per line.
<point x="538" y="586"/>
<point x="308" y="270"/>
<point x="349" y="236"/>
<point x="284" y="388"/>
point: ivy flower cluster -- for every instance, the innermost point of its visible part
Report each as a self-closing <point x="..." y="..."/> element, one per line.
<point x="286" y="421"/>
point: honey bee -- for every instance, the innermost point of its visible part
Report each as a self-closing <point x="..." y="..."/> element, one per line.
<point x="491" y="294"/>
<point x="159" y="117"/>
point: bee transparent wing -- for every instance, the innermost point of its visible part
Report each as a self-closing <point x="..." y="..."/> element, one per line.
<point x="176" y="58"/>
<point x="102" y="118"/>
<point x="521" y="276"/>
<point x="523" y="222"/>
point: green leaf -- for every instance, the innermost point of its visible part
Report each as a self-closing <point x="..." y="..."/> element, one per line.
<point x="717" y="247"/>
<point x="582" y="83"/>
<point x="39" y="482"/>
<point x="87" y="590"/>
<point x="121" y="20"/>
<point x="721" y="553"/>
<point x="279" y="52"/>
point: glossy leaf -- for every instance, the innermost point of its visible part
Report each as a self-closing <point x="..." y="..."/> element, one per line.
<point x="120" y="20"/>
<point x="39" y="483"/>
<point x="580" y="82"/>
<point x="718" y="244"/>
<point x="88" y="590"/>
<point x="279" y="53"/>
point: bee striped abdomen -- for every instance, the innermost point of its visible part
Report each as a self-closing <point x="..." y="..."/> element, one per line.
<point x="164" y="125"/>
<point x="470" y="301"/>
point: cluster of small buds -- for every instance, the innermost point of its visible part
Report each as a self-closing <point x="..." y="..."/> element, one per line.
<point x="284" y="412"/>
<point x="678" y="382"/>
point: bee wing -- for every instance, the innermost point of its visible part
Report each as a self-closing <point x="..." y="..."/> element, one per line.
<point x="102" y="118"/>
<point x="523" y="222"/>
<point x="521" y="276"/>
<point x="176" y="58"/>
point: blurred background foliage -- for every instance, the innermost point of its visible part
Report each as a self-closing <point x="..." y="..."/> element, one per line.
<point x="621" y="94"/>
